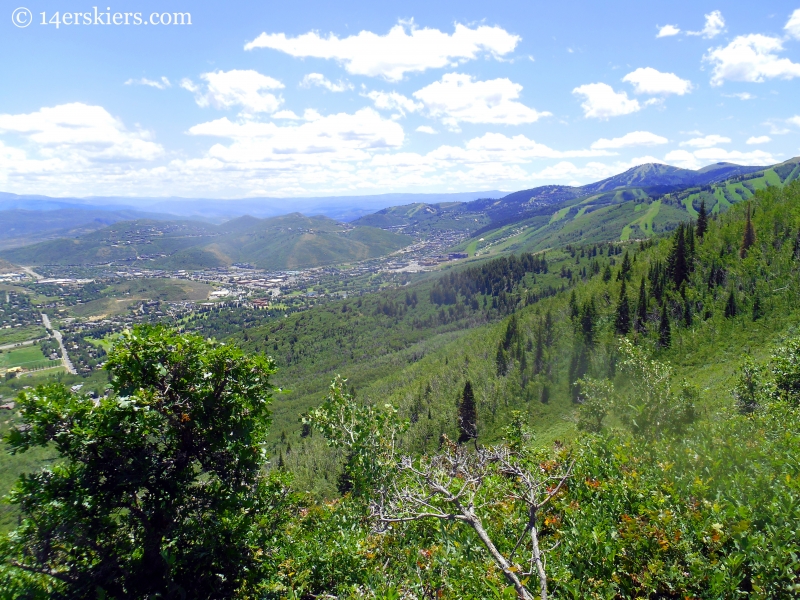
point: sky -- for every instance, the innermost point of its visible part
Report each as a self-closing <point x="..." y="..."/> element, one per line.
<point x="303" y="98"/>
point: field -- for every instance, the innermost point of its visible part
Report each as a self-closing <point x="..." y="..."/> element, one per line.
<point x="20" y="334"/>
<point x="27" y="357"/>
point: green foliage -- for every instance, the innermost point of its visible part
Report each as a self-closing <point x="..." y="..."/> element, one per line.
<point x="367" y="435"/>
<point x="785" y="367"/>
<point x="159" y="488"/>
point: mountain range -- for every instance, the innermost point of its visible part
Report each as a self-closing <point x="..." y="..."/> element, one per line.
<point x="638" y="203"/>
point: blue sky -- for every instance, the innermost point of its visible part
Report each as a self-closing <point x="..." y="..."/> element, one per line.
<point x="322" y="98"/>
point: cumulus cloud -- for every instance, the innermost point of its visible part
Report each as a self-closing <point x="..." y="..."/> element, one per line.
<point x="794" y="120"/>
<point x="394" y="101"/>
<point x="319" y="80"/>
<point x="667" y="31"/>
<point x="793" y="24"/>
<point x="602" y="102"/>
<point x="458" y="98"/>
<point x="650" y="81"/>
<point x="715" y="25"/>
<point x="707" y="141"/>
<point x="405" y="49"/>
<point x="760" y="139"/>
<point x="634" y="138"/>
<point x="345" y="135"/>
<point x="750" y="58"/>
<point x="80" y="133"/>
<point x="163" y="84"/>
<point x="246" y="88"/>
<point x="707" y="156"/>
<point x="426" y="129"/>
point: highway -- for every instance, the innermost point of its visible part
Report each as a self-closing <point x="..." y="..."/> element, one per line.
<point x="57" y="334"/>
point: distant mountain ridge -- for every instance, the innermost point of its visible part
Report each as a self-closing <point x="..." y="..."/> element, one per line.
<point x="288" y="242"/>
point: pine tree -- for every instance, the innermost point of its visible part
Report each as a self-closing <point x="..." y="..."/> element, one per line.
<point x="702" y="220"/>
<point x="622" y="321"/>
<point x="545" y="397"/>
<point x="467" y="415"/>
<point x="607" y="274"/>
<point x="690" y="249"/>
<point x="749" y="237"/>
<point x="281" y="463"/>
<point x="548" y="329"/>
<point x="664" y="329"/>
<point x="678" y="268"/>
<point x="625" y="268"/>
<point x="640" y="320"/>
<point x="731" y="309"/>
<point x="501" y="359"/>
<point x="589" y="322"/>
<point x="573" y="306"/>
<point x="758" y="310"/>
<point x="687" y="314"/>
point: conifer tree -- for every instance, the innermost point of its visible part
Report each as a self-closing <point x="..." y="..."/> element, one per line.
<point x="687" y="314"/>
<point x="625" y="268"/>
<point x="501" y="359"/>
<point x="548" y="328"/>
<point x="607" y="274"/>
<point x="749" y="237"/>
<point x="640" y="320"/>
<point x="467" y="415"/>
<point x="678" y="268"/>
<point x="622" y="321"/>
<point x="758" y="310"/>
<point x="545" y="398"/>
<point x="702" y="220"/>
<point x="589" y="322"/>
<point x="690" y="249"/>
<point x="731" y="309"/>
<point x="574" y="312"/>
<point x="664" y="329"/>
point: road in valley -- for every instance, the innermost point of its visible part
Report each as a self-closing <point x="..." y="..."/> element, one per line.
<point x="57" y="334"/>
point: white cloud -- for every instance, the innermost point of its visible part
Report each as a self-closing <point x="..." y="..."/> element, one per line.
<point x="394" y="101"/>
<point x="457" y="98"/>
<point x="793" y="24"/>
<point x="405" y="49"/>
<point x="592" y="171"/>
<point x="318" y="79"/>
<point x="602" y="102"/>
<point x="634" y="138"/>
<point x="707" y="141"/>
<point x="346" y="136"/>
<point x="750" y="58"/>
<point x="707" y="156"/>
<point x="740" y="96"/>
<point x="761" y="139"/>
<point x="650" y="81"/>
<point x="245" y="88"/>
<point x="426" y="129"/>
<point x="161" y="85"/>
<point x="667" y="30"/>
<point x="715" y="25"/>
<point x="794" y="120"/>
<point x="80" y="133"/>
